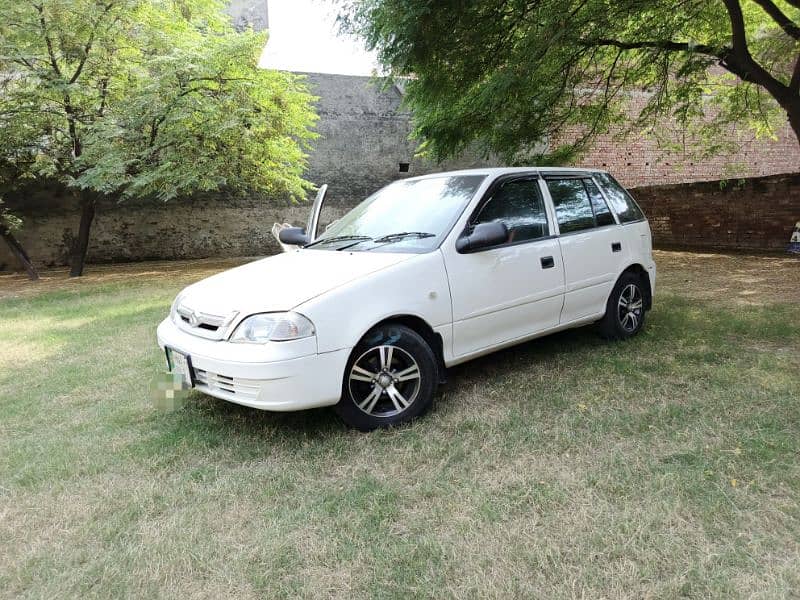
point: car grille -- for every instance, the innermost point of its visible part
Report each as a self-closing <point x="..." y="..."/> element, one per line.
<point x="243" y="388"/>
<point x="203" y="324"/>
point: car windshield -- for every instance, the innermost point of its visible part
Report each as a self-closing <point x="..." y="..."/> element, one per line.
<point x="410" y="215"/>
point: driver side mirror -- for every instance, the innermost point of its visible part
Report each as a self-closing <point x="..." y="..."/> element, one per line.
<point x="484" y="235"/>
<point x="294" y="236"/>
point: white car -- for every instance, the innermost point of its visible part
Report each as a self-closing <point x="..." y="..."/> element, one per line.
<point x="426" y="273"/>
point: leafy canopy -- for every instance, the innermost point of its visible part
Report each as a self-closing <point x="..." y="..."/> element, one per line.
<point x="145" y="98"/>
<point x="512" y="76"/>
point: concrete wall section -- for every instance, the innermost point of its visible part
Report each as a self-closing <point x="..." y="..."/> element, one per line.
<point x="364" y="136"/>
<point x="188" y="228"/>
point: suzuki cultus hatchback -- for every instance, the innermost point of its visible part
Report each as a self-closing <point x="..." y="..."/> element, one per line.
<point x="426" y="273"/>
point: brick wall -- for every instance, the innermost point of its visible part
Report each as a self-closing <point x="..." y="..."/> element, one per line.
<point x="638" y="161"/>
<point x="751" y="214"/>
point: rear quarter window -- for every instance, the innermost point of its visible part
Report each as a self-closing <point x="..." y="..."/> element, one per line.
<point x="621" y="201"/>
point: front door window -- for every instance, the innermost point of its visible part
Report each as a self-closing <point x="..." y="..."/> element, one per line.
<point x="518" y="204"/>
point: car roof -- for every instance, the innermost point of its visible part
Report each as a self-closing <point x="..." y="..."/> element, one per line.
<point x="498" y="171"/>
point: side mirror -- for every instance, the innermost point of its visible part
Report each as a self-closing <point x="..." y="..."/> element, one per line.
<point x="294" y="236"/>
<point x="484" y="235"/>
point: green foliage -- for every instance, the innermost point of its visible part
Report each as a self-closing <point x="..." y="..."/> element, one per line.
<point x="8" y="220"/>
<point x="538" y="79"/>
<point x="146" y="98"/>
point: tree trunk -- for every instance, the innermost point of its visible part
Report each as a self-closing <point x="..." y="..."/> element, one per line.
<point x="80" y="244"/>
<point x="794" y="119"/>
<point x="18" y="251"/>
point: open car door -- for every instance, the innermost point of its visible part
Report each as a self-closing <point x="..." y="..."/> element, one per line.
<point x="312" y="226"/>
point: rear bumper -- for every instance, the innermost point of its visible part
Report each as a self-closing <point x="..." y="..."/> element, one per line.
<point x="279" y="376"/>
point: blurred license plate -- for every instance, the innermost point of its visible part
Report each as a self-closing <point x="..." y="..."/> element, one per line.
<point x="180" y="364"/>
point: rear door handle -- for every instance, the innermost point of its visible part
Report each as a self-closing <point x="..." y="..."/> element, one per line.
<point x="616" y="247"/>
<point x="548" y="262"/>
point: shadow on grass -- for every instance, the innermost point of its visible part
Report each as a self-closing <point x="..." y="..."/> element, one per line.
<point x="673" y="324"/>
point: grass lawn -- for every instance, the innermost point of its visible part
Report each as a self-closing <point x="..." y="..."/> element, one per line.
<point x="567" y="467"/>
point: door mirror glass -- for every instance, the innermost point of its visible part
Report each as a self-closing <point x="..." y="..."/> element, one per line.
<point x="294" y="236"/>
<point x="484" y="235"/>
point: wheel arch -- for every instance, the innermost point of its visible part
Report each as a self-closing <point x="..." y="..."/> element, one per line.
<point x="642" y="273"/>
<point x="420" y="326"/>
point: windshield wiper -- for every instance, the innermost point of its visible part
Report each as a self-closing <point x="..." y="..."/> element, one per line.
<point x="339" y="238"/>
<point x="396" y="237"/>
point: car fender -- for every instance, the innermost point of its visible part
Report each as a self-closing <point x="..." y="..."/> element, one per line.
<point x="416" y="287"/>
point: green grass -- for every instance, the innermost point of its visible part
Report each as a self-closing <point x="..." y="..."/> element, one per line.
<point x="665" y="466"/>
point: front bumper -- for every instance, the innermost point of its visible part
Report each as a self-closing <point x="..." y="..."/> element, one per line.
<point x="278" y="376"/>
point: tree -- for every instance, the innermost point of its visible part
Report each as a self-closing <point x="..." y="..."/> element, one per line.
<point x="142" y="98"/>
<point x="508" y="75"/>
<point x="8" y="224"/>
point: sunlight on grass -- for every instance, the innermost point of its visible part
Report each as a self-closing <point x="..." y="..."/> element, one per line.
<point x="20" y="354"/>
<point x="659" y="467"/>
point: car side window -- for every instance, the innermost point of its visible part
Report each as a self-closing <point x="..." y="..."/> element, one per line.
<point x="572" y="204"/>
<point x="602" y="214"/>
<point x="621" y="201"/>
<point x="518" y="204"/>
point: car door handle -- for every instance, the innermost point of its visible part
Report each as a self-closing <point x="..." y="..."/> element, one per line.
<point x="548" y="262"/>
<point x="616" y="247"/>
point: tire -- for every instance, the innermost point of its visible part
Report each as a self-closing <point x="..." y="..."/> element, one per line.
<point x="620" y="321"/>
<point x="390" y="378"/>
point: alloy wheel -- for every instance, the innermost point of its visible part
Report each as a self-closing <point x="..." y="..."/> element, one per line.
<point x="630" y="307"/>
<point x="384" y="381"/>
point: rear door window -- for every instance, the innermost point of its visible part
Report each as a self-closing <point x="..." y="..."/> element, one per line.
<point x="572" y="204"/>
<point x="602" y="213"/>
<point x="621" y="201"/>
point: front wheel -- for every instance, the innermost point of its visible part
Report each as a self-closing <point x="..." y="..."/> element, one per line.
<point x="625" y="310"/>
<point x="390" y="379"/>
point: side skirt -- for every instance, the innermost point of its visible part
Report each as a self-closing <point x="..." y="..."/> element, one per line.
<point x="457" y="360"/>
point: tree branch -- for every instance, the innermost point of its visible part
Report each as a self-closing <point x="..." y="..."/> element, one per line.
<point x="48" y="42"/>
<point x="667" y="45"/>
<point x="794" y="84"/>
<point x="88" y="46"/>
<point x="740" y="62"/>
<point x="784" y="22"/>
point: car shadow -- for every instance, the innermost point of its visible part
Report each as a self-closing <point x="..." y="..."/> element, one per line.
<point x="323" y="422"/>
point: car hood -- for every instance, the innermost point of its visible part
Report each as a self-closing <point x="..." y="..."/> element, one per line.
<point x="283" y="281"/>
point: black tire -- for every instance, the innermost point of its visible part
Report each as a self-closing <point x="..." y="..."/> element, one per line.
<point x="625" y="309"/>
<point x="379" y="393"/>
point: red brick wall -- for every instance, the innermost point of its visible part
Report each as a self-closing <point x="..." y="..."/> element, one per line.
<point x="637" y="161"/>
<point x="750" y="214"/>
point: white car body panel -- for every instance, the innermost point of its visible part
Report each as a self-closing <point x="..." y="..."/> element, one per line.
<point x="475" y="302"/>
<point x="590" y="270"/>
<point x="513" y="298"/>
<point x="415" y="287"/>
<point x="260" y="286"/>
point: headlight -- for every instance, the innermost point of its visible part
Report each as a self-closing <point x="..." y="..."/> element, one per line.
<point x="273" y="327"/>
<point x="173" y="311"/>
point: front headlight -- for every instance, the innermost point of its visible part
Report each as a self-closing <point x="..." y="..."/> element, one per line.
<point x="272" y="327"/>
<point x="173" y="311"/>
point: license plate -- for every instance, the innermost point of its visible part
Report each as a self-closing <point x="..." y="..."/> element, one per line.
<point x="180" y="364"/>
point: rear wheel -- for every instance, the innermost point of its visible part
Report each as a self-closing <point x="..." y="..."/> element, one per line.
<point x="391" y="378"/>
<point x="625" y="310"/>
